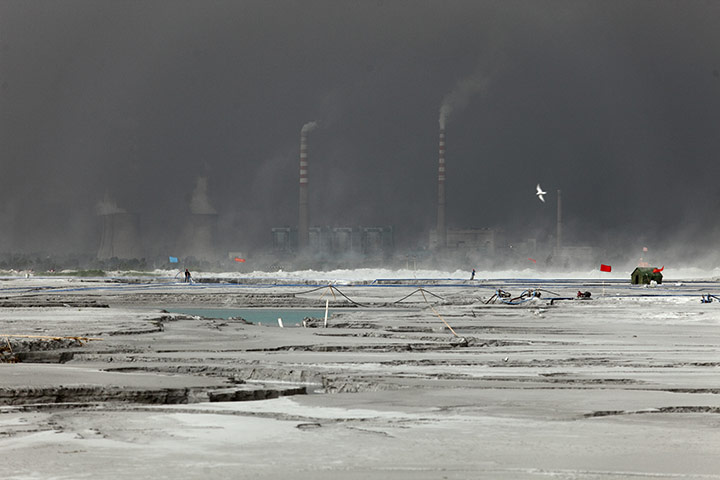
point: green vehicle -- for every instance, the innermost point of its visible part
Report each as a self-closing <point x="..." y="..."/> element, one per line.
<point x="644" y="275"/>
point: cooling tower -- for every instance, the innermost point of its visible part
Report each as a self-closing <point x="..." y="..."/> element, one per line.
<point x="200" y="232"/>
<point x="441" y="229"/>
<point x="199" y="239"/>
<point x="119" y="237"/>
<point x="304" y="216"/>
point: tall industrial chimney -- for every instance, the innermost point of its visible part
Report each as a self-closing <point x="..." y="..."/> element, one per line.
<point x="559" y="223"/>
<point x="304" y="216"/>
<point x="441" y="229"/>
<point x="304" y="219"/>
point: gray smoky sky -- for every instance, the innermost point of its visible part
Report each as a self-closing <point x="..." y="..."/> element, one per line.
<point x="616" y="103"/>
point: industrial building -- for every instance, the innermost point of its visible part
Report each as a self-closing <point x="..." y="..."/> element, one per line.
<point x="369" y="241"/>
<point x="483" y="240"/>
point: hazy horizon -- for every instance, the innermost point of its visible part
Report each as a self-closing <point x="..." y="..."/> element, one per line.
<point x="614" y="103"/>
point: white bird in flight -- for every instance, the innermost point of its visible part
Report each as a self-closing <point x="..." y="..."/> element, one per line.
<point x="540" y="193"/>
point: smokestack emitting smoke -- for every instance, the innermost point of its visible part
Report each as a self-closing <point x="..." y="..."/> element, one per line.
<point x="458" y="98"/>
<point x="107" y="206"/>
<point x="308" y="127"/>
<point x="441" y="230"/>
<point x="304" y="216"/>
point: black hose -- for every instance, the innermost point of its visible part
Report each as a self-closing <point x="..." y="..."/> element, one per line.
<point x="421" y="290"/>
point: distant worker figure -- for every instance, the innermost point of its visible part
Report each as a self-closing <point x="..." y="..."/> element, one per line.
<point x="472" y="275"/>
<point x="187" y="276"/>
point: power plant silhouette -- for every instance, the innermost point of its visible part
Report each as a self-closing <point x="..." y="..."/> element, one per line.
<point x="120" y="238"/>
<point x="198" y="238"/>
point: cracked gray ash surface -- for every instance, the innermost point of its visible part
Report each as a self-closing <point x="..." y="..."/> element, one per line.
<point x="101" y="382"/>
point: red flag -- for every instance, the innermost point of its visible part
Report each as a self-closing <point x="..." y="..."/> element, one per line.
<point x="238" y="259"/>
<point x="605" y="268"/>
<point x="532" y="260"/>
<point x="658" y="270"/>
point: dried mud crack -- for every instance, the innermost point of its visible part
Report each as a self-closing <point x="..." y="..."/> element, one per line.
<point x="675" y="409"/>
<point x="89" y="394"/>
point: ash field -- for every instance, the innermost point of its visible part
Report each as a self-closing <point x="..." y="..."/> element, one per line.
<point x="430" y="378"/>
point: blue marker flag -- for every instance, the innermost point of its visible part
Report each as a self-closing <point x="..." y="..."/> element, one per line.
<point x="173" y="260"/>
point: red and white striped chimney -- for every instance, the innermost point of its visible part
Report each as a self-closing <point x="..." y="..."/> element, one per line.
<point x="441" y="229"/>
<point x="304" y="218"/>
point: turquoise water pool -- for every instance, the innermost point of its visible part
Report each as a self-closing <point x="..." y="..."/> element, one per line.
<point x="264" y="316"/>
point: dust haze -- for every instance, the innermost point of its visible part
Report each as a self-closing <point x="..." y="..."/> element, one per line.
<point x="162" y="109"/>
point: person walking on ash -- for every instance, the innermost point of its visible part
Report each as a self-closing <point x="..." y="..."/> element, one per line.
<point x="472" y="275"/>
<point x="187" y="276"/>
